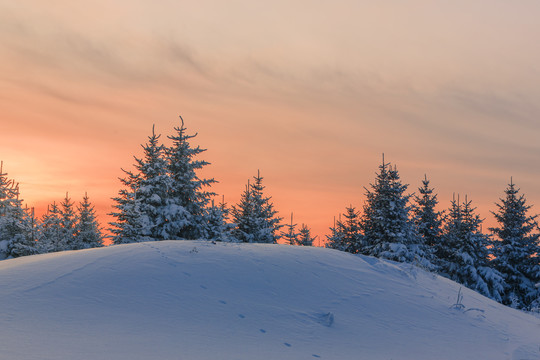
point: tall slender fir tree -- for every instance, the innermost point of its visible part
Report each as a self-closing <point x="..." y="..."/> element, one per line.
<point x="347" y="235"/>
<point x="290" y="235"/>
<point x="51" y="235"/>
<point x="427" y="219"/>
<point x="87" y="231"/>
<point x="140" y="214"/>
<point x="68" y="223"/>
<point x="128" y="227"/>
<point x="189" y="195"/>
<point x="517" y="253"/>
<point x="336" y="239"/>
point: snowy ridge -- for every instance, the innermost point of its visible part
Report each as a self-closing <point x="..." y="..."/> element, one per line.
<point x="198" y="300"/>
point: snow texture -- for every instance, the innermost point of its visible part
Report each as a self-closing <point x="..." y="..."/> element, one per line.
<point x="200" y="300"/>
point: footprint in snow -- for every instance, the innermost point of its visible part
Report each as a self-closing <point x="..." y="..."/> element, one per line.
<point x="315" y="356"/>
<point x="287" y="344"/>
<point x="203" y="287"/>
<point x="241" y="316"/>
<point x="223" y="302"/>
<point x="262" y="330"/>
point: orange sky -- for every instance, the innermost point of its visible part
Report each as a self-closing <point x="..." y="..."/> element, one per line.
<point x="310" y="93"/>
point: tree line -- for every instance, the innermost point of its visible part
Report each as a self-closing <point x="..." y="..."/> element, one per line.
<point x="162" y="198"/>
<point x="65" y="226"/>
<point x="394" y="225"/>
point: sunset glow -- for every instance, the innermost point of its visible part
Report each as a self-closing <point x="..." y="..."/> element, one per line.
<point x="310" y="93"/>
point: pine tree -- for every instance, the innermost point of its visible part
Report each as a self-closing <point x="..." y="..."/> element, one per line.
<point x="68" y="221"/>
<point x="304" y="238"/>
<point x="164" y="198"/>
<point x="254" y="216"/>
<point x="7" y="196"/>
<point x="51" y="235"/>
<point x="15" y="224"/>
<point x="517" y="251"/>
<point x="87" y="231"/>
<point x="389" y="232"/>
<point x="215" y="223"/>
<point x="290" y="235"/>
<point x="428" y="221"/>
<point x="244" y="217"/>
<point x="128" y="227"/>
<point x="24" y="242"/>
<point x="336" y="239"/>
<point x="347" y="235"/>
<point x="144" y="206"/>
<point x="152" y="193"/>
<point x="189" y="197"/>
<point x="463" y="252"/>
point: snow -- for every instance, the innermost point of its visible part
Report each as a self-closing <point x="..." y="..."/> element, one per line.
<point x="198" y="300"/>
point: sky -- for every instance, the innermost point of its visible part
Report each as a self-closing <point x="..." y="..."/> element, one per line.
<point x="311" y="93"/>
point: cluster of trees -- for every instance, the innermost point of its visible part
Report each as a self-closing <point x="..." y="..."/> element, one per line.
<point x="161" y="199"/>
<point x="62" y="227"/>
<point x="394" y="225"/>
<point x="164" y="199"/>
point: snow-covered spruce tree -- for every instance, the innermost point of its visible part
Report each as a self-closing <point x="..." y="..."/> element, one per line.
<point x="143" y="207"/>
<point x="68" y="222"/>
<point x="152" y="193"/>
<point x="87" y="231"/>
<point x="305" y="238"/>
<point x="388" y="230"/>
<point x="7" y="196"/>
<point x="23" y="243"/>
<point x="51" y="235"/>
<point x="463" y="252"/>
<point x="347" y="235"/>
<point x="188" y="196"/>
<point x="16" y="226"/>
<point x="290" y="235"/>
<point x="517" y="253"/>
<point x="254" y="216"/>
<point x="164" y="198"/>
<point x="427" y="219"/>
<point x="336" y="239"/>
<point x="243" y="217"/>
<point x="215" y="226"/>
<point x="128" y="227"/>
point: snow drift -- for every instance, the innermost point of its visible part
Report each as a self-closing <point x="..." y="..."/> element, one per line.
<point x="198" y="300"/>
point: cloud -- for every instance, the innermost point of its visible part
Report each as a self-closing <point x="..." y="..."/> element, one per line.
<point x="181" y="54"/>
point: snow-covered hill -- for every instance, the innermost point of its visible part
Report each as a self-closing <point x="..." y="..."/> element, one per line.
<point x="198" y="300"/>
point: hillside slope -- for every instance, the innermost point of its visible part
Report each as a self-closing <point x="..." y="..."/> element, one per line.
<point x="198" y="300"/>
